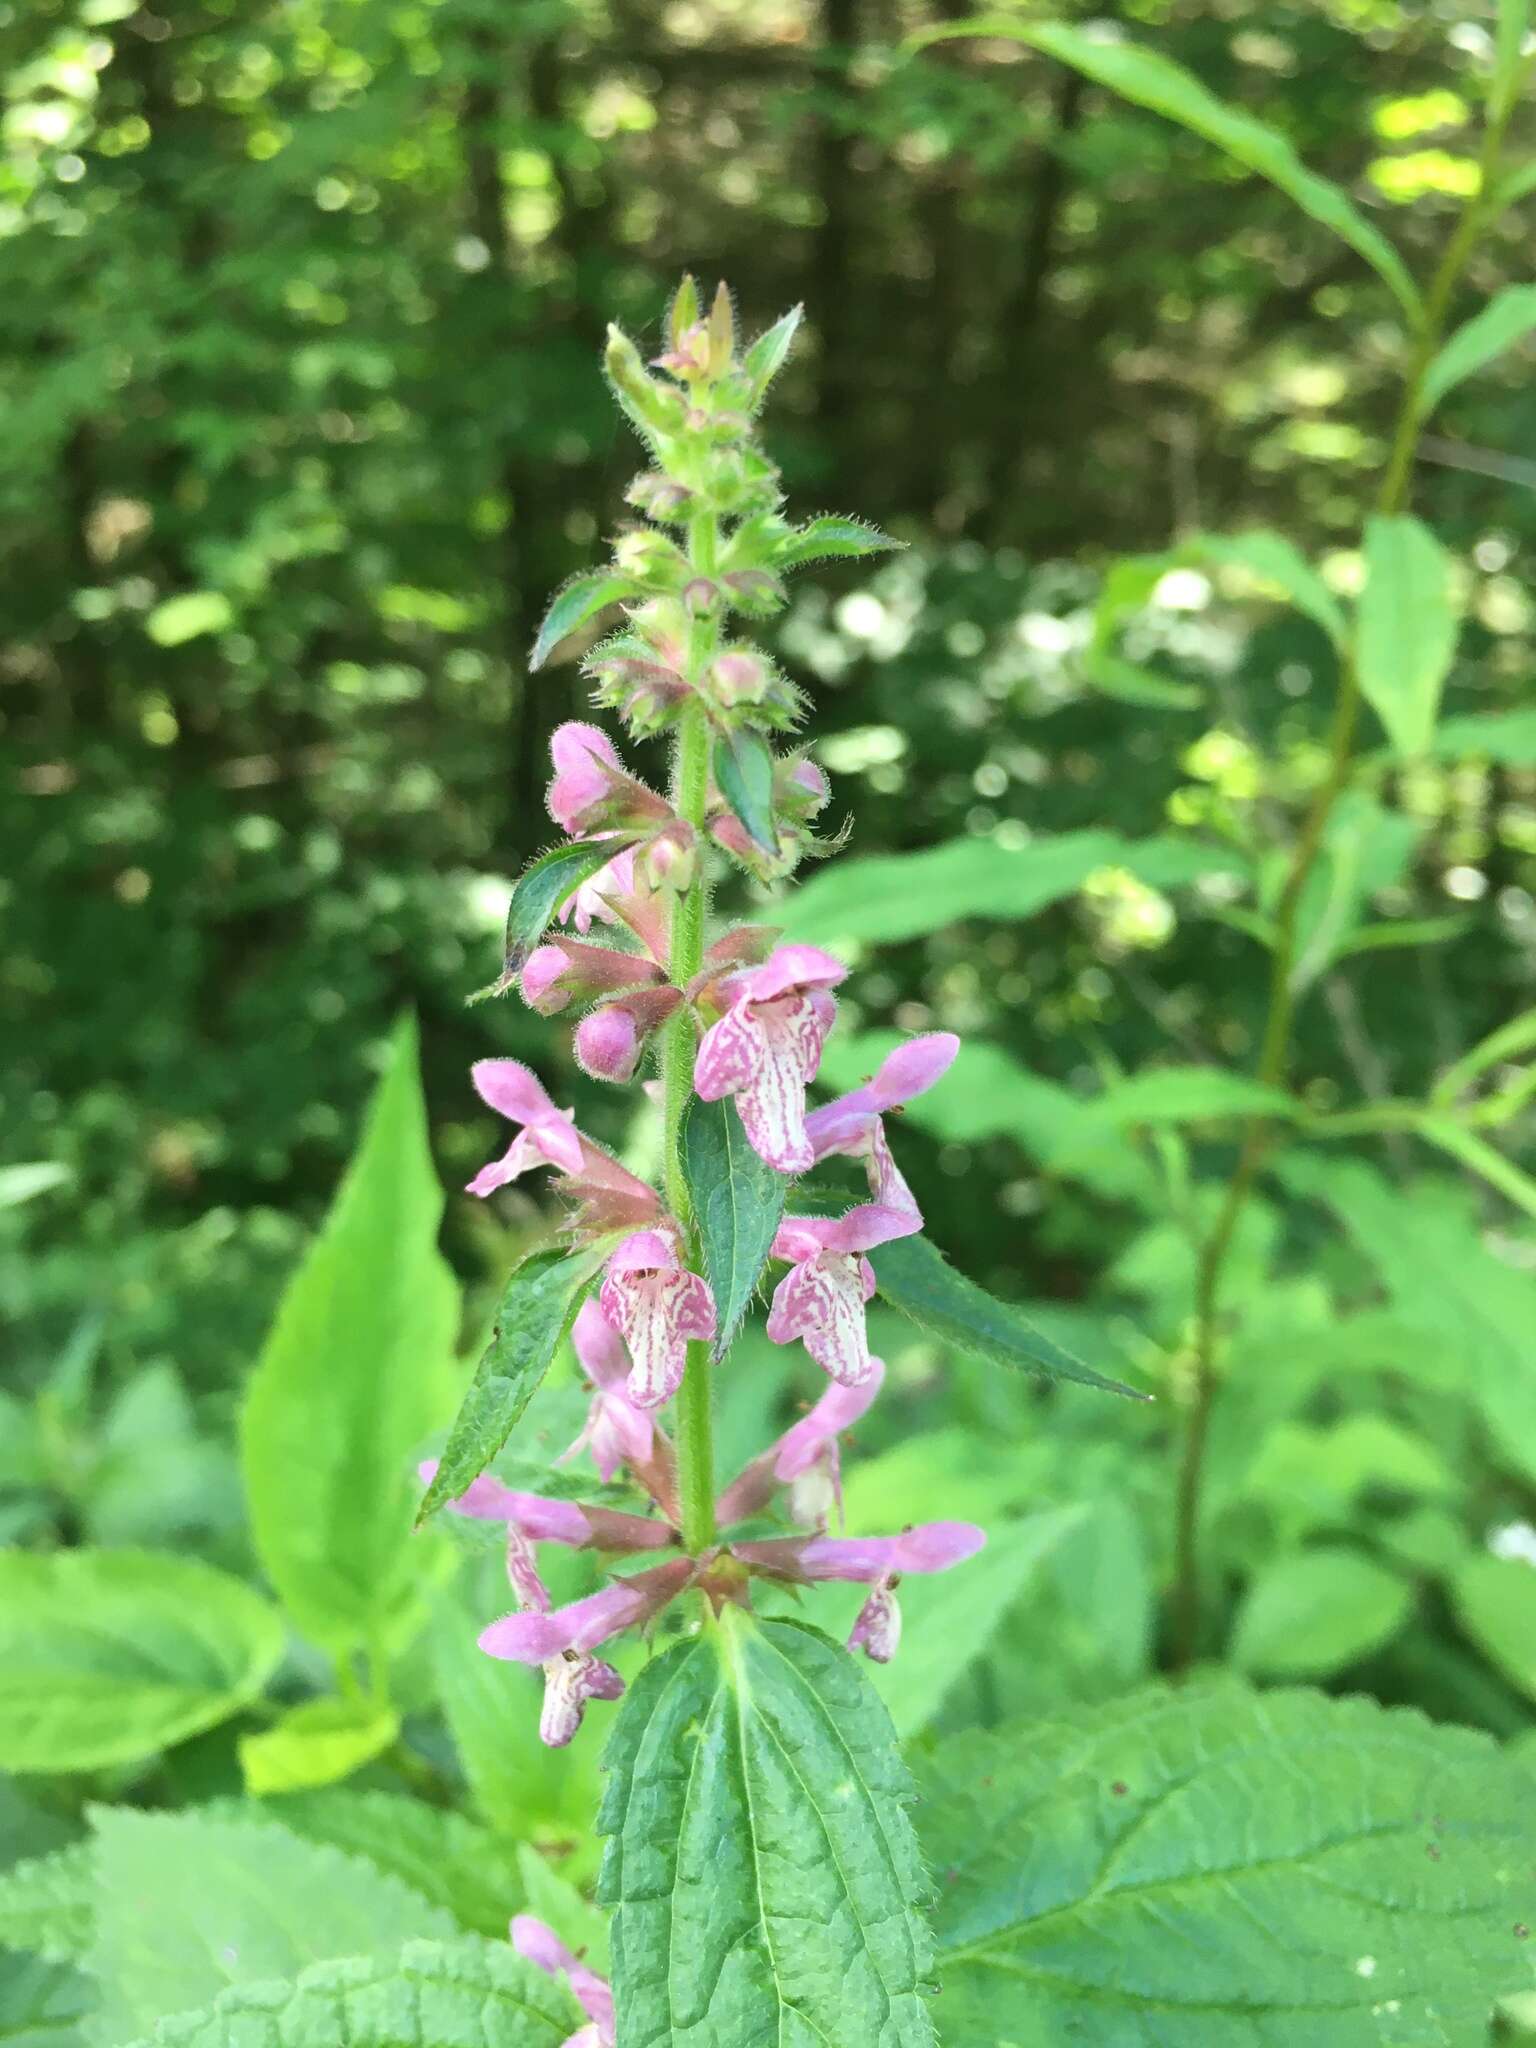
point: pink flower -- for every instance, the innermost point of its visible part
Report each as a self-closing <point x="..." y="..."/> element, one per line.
<point x="608" y="1195"/>
<point x="618" y="1431"/>
<point x="656" y="1305"/>
<point x="592" y="791"/>
<point x="595" y="899"/>
<point x="569" y="1682"/>
<point x="852" y="1126"/>
<point x="562" y="968"/>
<point x="541" y="1946"/>
<point x="538" y="1638"/>
<point x="806" y="1458"/>
<point x="768" y="1046"/>
<point x="876" y="1561"/>
<point x="821" y="1299"/>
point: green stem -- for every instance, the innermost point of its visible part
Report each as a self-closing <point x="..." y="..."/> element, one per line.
<point x="690" y="794"/>
<point x="1275" y="1044"/>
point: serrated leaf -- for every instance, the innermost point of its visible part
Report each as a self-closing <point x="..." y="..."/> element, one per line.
<point x="830" y="538"/>
<point x="315" y="1743"/>
<point x="1507" y="318"/>
<point x="1317" y="1612"/>
<point x="737" y="1200"/>
<point x="536" y="1311"/>
<point x="179" y="1914"/>
<point x="744" y="774"/>
<point x="913" y="1275"/>
<point x="1149" y="79"/>
<point x="573" y="604"/>
<point x="1224" y="1870"/>
<point x="42" y="2004"/>
<point x="542" y="890"/>
<point x="47" y="1904"/>
<point x="108" y="1656"/>
<point x="768" y="354"/>
<point x="1495" y="1603"/>
<point x="763" y="1872"/>
<point x="1176" y="1095"/>
<point x="433" y="1994"/>
<point x="357" y="1371"/>
<point x="1273" y="559"/>
<point x="1407" y="629"/>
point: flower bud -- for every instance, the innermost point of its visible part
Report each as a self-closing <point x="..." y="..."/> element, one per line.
<point x="671" y="859"/>
<point x="659" y="496"/>
<point x="607" y="1044"/>
<point x="647" y="556"/>
<point x="646" y="400"/>
<point x="739" y="676"/>
<point x="755" y="592"/>
<point x="700" y="595"/>
<point x="541" y="979"/>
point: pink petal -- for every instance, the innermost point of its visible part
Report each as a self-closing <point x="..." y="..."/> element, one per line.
<point x="607" y="1044"/>
<point x="599" y="1347"/>
<point x="787" y="968"/>
<point x="822" y="1303"/>
<point x="936" y="1546"/>
<point x="839" y="1408"/>
<point x="569" y="1682"/>
<point x="727" y="1056"/>
<point x="913" y="1068"/>
<point x="877" y="1631"/>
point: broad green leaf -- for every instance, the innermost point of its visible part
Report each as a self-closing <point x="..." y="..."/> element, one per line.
<point x="535" y="1313"/>
<point x="572" y="605"/>
<point x="1316" y="1612"/>
<point x="176" y="620"/>
<point x="543" y="889"/>
<point x="180" y="1912"/>
<point x="737" y="1202"/>
<point x="108" y="1656"/>
<point x="830" y="538"/>
<point x="1495" y="1603"/>
<point x="767" y="355"/>
<point x="450" y="1860"/>
<point x="765" y="1882"/>
<point x="315" y="1744"/>
<point x="1508" y="737"/>
<point x="744" y="774"/>
<point x="914" y="1276"/>
<point x="466" y="1993"/>
<point x="47" y="1904"/>
<point x="42" y="2004"/>
<point x="1507" y="318"/>
<point x="1273" y="559"/>
<point x="1176" y="1095"/>
<point x="1149" y="79"/>
<point x="1211" y="1868"/>
<point x="1407" y="629"/>
<point x="357" y="1370"/>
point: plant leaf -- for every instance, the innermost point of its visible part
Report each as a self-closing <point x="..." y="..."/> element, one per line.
<point x="536" y="1311"/>
<point x="542" y="889"/>
<point x="47" y="1904"/>
<point x="1149" y="79"/>
<point x="1495" y="1603"/>
<point x="769" y="353"/>
<point x="830" y="538"/>
<point x="466" y="1993"/>
<point x="737" y="1200"/>
<point x="1178" y="1095"/>
<point x="315" y="1743"/>
<point x="187" y="616"/>
<point x="43" y="2004"/>
<point x="357" y="1370"/>
<point x="212" y="1925"/>
<point x="1130" y="683"/>
<point x="109" y="1655"/>
<point x="572" y="605"/>
<point x="744" y="772"/>
<point x="1505" y="736"/>
<point x="1316" y="1612"/>
<point x="761" y="1865"/>
<point x="1221" y="1869"/>
<point x="1507" y="318"/>
<point x="914" y="1276"/>
<point x="1273" y="559"/>
<point x="1514" y="25"/>
<point x="1408" y="627"/>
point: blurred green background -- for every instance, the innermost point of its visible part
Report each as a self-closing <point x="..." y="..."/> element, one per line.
<point x="302" y="421"/>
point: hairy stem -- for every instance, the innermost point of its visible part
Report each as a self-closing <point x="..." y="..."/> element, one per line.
<point x="690" y="792"/>
<point x="1275" y="1044"/>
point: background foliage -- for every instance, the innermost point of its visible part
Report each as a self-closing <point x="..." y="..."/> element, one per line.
<point x="302" y="424"/>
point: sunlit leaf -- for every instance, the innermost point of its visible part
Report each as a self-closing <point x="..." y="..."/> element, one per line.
<point x="1506" y="319"/>
<point x="1407" y="631"/>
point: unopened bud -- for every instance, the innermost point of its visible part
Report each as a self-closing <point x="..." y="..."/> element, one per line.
<point x="755" y="592"/>
<point x="671" y="859"/>
<point x="739" y="676"/>
<point x="541" y="980"/>
<point x="700" y="594"/>
<point x="659" y="496"/>
<point x="807" y="776"/>
<point x="607" y="1044"/>
<point x="722" y="332"/>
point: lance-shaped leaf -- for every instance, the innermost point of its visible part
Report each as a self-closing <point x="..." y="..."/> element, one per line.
<point x="914" y="1276"/>
<point x="536" y="1312"/>
<point x="573" y="604"/>
<point x="1507" y="318"/>
<point x="468" y="1992"/>
<point x="1222" y="1869"/>
<point x="744" y="772"/>
<point x="107" y="1656"/>
<point x="1407" y="635"/>
<point x="830" y="538"/>
<point x="769" y="353"/>
<point x="543" y="888"/>
<point x="1273" y="559"/>
<point x="1149" y="79"/>
<point x="764" y="1875"/>
<point x="737" y="1200"/>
